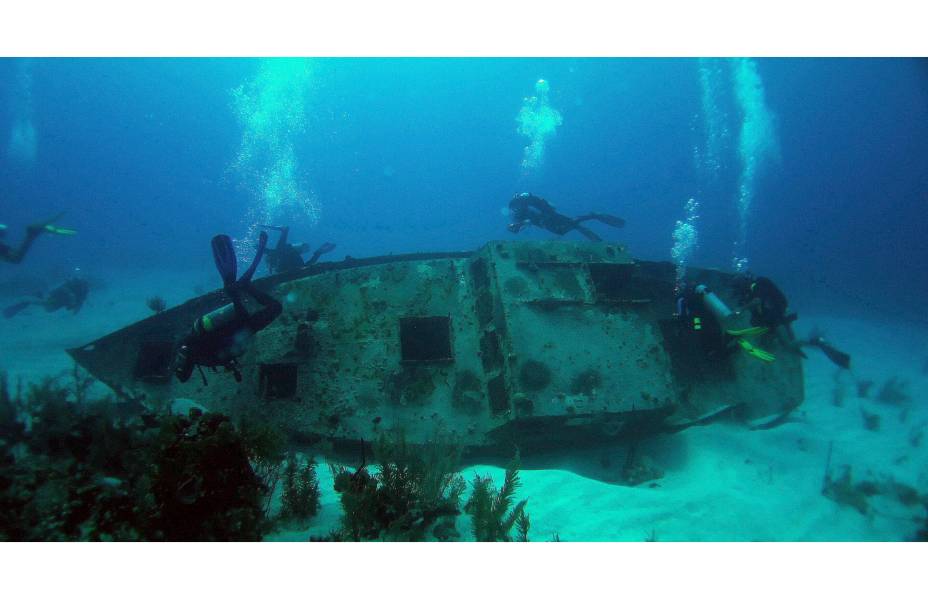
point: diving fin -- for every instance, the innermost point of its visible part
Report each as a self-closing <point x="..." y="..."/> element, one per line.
<point x="610" y="220"/>
<point x="47" y="226"/>
<point x="224" y="256"/>
<point x="262" y="244"/>
<point x="57" y="230"/>
<point x="839" y="358"/>
<point x="755" y="352"/>
<point x="323" y="249"/>
<point x="14" y="309"/>
<point x="752" y="331"/>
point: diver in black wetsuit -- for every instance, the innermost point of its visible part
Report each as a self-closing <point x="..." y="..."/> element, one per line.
<point x="766" y="301"/>
<point x="530" y="209"/>
<point x="16" y="255"/>
<point x="769" y="306"/>
<point x="219" y="337"/>
<point x="285" y="257"/>
<point x="70" y="295"/>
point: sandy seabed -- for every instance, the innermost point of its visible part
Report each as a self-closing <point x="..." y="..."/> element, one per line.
<point x="721" y="482"/>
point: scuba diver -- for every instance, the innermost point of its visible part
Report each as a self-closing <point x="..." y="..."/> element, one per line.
<point x="70" y="295"/>
<point x="16" y="255"/>
<point x="219" y="337"/>
<point x="530" y="209"/>
<point x="285" y="257"/>
<point x="766" y="301"/>
<point x="709" y="316"/>
<point x="768" y="305"/>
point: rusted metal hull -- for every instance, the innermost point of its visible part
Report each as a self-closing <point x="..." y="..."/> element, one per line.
<point x="534" y="344"/>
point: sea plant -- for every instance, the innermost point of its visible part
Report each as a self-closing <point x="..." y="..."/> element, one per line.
<point x="86" y="470"/>
<point x="300" y="500"/>
<point x="265" y="446"/>
<point x="157" y="304"/>
<point x="11" y="426"/>
<point x="414" y="490"/>
<point x="894" y="392"/>
<point x="493" y="513"/>
<point x="204" y="485"/>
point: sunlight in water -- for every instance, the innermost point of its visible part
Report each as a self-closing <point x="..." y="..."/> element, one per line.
<point x="23" y="140"/>
<point x="711" y="81"/>
<point x="272" y="110"/>
<point x="757" y="146"/>
<point x="537" y="121"/>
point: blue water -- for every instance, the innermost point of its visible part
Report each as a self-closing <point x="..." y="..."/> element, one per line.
<point x="407" y="155"/>
<point x="814" y="172"/>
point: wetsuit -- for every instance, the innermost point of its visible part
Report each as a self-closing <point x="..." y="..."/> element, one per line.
<point x="70" y="295"/>
<point x="768" y="304"/>
<point x="530" y="209"/>
<point x="220" y="337"/>
<point x="285" y="257"/>
<point x="16" y="255"/>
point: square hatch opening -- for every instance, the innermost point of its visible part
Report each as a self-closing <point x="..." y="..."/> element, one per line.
<point x="425" y="339"/>
<point x="278" y="380"/>
<point x="153" y="363"/>
<point x="613" y="282"/>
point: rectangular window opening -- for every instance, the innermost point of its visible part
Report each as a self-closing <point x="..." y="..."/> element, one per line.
<point x="153" y="363"/>
<point x="425" y="339"/>
<point x="278" y="380"/>
<point x="613" y="282"/>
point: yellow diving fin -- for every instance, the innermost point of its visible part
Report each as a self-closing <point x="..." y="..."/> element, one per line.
<point x="755" y="352"/>
<point x="752" y="331"/>
<point x="57" y="230"/>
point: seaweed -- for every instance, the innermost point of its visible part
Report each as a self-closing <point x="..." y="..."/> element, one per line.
<point x="265" y="446"/>
<point x="845" y="492"/>
<point x="204" y="485"/>
<point x="894" y="392"/>
<point x="523" y="524"/>
<point x="871" y="420"/>
<point x="493" y="514"/>
<point x="639" y="469"/>
<point x="300" y="500"/>
<point x="157" y="303"/>
<point x="84" y="470"/>
<point x="863" y="388"/>
<point x="11" y="426"/>
<point x="414" y="491"/>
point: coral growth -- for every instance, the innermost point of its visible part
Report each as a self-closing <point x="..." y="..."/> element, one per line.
<point x="534" y="375"/>
<point x="894" y="392"/>
<point x="415" y="491"/>
<point x="91" y="470"/>
<point x="493" y="514"/>
<point x="300" y="500"/>
<point x="586" y="383"/>
<point x="845" y="492"/>
<point x="639" y="469"/>
<point x="157" y="304"/>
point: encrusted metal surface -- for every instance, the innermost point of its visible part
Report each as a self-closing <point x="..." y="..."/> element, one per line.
<point x="525" y="342"/>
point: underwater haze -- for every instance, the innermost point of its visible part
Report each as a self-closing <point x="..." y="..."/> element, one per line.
<point x="812" y="172"/>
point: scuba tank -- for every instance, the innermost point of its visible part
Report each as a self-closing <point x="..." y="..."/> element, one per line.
<point x="214" y="320"/>
<point x="723" y="315"/>
<point x="712" y="302"/>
